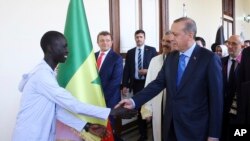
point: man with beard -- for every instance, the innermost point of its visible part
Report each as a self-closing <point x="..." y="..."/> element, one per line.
<point x="154" y="108"/>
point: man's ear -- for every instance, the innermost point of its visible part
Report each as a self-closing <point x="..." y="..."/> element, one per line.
<point x="191" y="35"/>
<point x="49" y="48"/>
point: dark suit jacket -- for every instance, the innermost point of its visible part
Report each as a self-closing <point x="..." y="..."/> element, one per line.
<point x="244" y="94"/>
<point x="129" y="68"/>
<point x="229" y="90"/>
<point x="111" y="77"/>
<point x="196" y="107"/>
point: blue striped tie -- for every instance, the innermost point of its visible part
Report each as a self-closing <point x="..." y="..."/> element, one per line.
<point x="181" y="68"/>
<point x="139" y="62"/>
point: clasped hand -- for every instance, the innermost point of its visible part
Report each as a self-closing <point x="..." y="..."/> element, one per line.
<point x="98" y="130"/>
<point x="101" y="131"/>
<point x="123" y="113"/>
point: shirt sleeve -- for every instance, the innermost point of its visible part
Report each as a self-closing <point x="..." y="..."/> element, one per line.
<point x="69" y="119"/>
<point x="48" y="86"/>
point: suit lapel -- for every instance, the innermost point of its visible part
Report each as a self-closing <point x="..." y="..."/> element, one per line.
<point x="96" y="55"/>
<point x="172" y="64"/>
<point x="133" y="60"/>
<point x="190" y="66"/>
<point x="145" y="56"/>
<point x="224" y="64"/>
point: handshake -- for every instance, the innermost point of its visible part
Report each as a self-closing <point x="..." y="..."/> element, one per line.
<point x="100" y="130"/>
<point x="124" y="113"/>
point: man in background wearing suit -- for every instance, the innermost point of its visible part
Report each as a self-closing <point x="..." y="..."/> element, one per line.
<point x="110" y="69"/>
<point x="194" y="106"/>
<point x="135" y="71"/>
<point x="200" y="41"/>
<point x="230" y="70"/>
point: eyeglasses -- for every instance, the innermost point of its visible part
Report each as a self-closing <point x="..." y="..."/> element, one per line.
<point x="232" y="43"/>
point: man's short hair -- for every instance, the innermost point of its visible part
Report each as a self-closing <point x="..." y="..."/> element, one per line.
<point x="247" y="41"/>
<point x="203" y="42"/>
<point x="213" y="46"/>
<point x="48" y="39"/>
<point x="104" y="33"/>
<point x="140" y="31"/>
<point x="190" y="25"/>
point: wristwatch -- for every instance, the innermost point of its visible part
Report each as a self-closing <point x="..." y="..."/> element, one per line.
<point x="87" y="126"/>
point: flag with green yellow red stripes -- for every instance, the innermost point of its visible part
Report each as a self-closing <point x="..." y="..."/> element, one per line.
<point x="79" y="73"/>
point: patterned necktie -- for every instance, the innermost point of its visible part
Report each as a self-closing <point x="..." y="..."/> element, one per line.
<point x="232" y="89"/>
<point x="139" y="62"/>
<point x="99" y="60"/>
<point x="181" y="68"/>
<point x="231" y="72"/>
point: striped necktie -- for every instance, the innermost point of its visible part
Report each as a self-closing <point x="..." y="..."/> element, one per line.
<point x="139" y="62"/>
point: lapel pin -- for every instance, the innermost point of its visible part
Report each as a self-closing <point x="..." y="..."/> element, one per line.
<point x="194" y="58"/>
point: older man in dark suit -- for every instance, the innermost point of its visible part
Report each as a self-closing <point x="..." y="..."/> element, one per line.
<point x="193" y="79"/>
<point x="135" y="71"/>
<point x="230" y="69"/>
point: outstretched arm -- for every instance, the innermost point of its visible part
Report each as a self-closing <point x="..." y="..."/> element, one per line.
<point x="126" y="103"/>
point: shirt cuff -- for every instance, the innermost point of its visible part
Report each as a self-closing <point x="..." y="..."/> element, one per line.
<point x="214" y="138"/>
<point x="133" y="103"/>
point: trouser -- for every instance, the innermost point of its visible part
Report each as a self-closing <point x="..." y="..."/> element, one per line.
<point x="229" y="121"/>
<point x="171" y="135"/>
<point x="142" y="124"/>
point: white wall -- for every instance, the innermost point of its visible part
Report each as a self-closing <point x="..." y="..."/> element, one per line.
<point x="207" y="15"/>
<point x="150" y="20"/>
<point x="129" y="23"/>
<point x="23" y="22"/>
<point x="242" y="10"/>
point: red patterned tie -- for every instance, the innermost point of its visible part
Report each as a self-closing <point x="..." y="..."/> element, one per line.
<point x="99" y="60"/>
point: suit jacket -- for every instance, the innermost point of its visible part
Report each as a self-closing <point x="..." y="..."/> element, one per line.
<point x="111" y="76"/>
<point x="129" y="68"/>
<point x="244" y="94"/>
<point x="196" y="107"/>
<point x="229" y="90"/>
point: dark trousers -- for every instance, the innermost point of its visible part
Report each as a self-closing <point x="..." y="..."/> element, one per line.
<point x="228" y="121"/>
<point x="171" y="136"/>
<point x="138" y="85"/>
